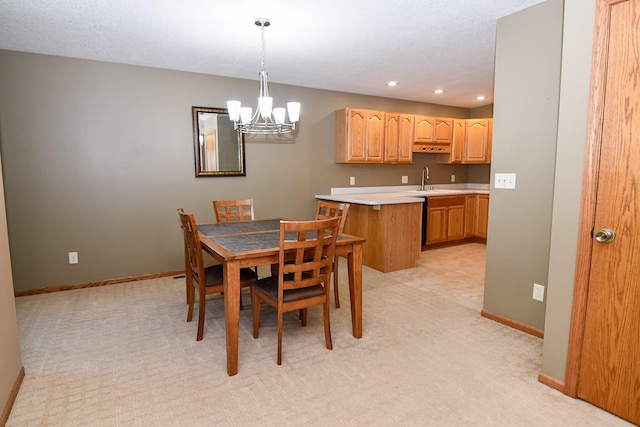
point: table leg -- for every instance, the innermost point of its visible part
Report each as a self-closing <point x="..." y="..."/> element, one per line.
<point x="232" y="313"/>
<point x="354" y="259"/>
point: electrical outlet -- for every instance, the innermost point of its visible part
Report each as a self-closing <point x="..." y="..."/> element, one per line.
<point x="505" y="180"/>
<point x="538" y="292"/>
<point x="405" y="179"/>
<point x="352" y="180"/>
<point x="453" y="178"/>
<point x="73" y="257"/>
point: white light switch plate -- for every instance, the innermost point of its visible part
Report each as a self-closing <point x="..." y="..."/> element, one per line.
<point x="538" y="292"/>
<point x="505" y="180"/>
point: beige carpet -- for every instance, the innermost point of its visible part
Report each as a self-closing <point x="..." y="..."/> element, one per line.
<point x="123" y="355"/>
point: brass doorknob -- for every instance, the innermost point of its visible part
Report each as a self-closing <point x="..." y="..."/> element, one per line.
<point x="605" y="235"/>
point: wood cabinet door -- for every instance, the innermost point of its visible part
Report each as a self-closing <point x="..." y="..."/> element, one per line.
<point x="442" y="130"/>
<point x="405" y="139"/>
<point x="437" y="224"/>
<point x="375" y="137"/>
<point x="455" y="223"/>
<point x="470" y="215"/>
<point x="391" y="137"/>
<point x="356" y="135"/>
<point x="423" y="129"/>
<point x="476" y="144"/>
<point x="482" y="216"/>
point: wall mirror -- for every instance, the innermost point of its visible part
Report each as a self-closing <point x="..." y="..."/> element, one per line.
<point x="218" y="147"/>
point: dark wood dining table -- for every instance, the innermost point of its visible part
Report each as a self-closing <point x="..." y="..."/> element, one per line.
<point x="253" y="243"/>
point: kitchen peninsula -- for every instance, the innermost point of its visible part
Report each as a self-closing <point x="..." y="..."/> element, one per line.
<point x="391" y="220"/>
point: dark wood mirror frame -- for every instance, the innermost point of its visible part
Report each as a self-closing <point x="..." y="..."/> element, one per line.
<point x="218" y="147"/>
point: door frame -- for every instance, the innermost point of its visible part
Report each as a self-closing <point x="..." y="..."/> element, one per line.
<point x="589" y="188"/>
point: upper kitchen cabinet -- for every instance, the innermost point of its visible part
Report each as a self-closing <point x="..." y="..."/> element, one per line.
<point x="398" y="141"/>
<point x="471" y="142"/>
<point x="457" y="144"/>
<point x="432" y="134"/>
<point x="477" y="141"/>
<point x="359" y="136"/>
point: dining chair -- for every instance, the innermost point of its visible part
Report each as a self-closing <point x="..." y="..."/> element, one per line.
<point x="303" y="283"/>
<point x="204" y="280"/>
<point x="233" y="210"/>
<point x="326" y="209"/>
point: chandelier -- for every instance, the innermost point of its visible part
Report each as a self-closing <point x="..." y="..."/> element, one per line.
<point x="266" y="120"/>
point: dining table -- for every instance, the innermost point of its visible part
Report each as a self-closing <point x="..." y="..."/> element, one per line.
<point x="253" y="243"/>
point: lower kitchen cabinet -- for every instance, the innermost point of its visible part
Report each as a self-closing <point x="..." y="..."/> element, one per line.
<point x="482" y="216"/>
<point x="392" y="233"/>
<point x="457" y="218"/>
<point x="445" y="218"/>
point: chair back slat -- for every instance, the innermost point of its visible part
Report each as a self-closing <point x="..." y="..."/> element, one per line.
<point x="233" y="210"/>
<point x="314" y="249"/>
<point x="326" y="209"/>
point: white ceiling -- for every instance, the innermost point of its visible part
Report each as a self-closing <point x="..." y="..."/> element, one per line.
<point x="351" y="46"/>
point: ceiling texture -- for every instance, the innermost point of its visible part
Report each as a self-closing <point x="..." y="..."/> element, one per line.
<point x="353" y="46"/>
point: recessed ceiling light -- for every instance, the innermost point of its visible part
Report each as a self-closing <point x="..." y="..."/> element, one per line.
<point x="438" y="91"/>
<point x="480" y="98"/>
<point x="393" y="83"/>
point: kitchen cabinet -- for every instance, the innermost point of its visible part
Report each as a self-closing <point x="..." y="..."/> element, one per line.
<point x="432" y="134"/>
<point x="457" y="218"/>
<point x="482" y="216"/>
<point x="392" y="233"/>
<point x="470" y="213"/>
<point x="445" y="218"/>
<point x="471" y="143"/>
<point x="457" y="144"/>
<point x="398" y="138"/>
<point x="477" y="141"/>
<point x="359" y="136"/>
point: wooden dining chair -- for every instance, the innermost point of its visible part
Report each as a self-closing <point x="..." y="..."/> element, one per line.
<point x="205" y="281"/>
<point x="326" y="209"/>
<point x="303" y="283"/>
<point x="233" y="210"/>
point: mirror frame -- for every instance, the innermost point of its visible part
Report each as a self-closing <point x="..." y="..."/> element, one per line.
<point x="195" y="111"/>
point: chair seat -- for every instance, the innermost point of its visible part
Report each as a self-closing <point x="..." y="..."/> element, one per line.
<point x="269" y="287"/>
<point x="214" y="275"/>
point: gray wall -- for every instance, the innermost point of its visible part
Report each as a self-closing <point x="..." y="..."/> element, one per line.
<point x="97" y="157"/>
<point x="526" y="94"/>
<point x="10" y="358"/>
<point x="577" y="43"/>
<point x="533" y="235"/>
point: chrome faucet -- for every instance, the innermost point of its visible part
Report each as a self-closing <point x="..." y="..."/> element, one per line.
<point x="425" y="177"/>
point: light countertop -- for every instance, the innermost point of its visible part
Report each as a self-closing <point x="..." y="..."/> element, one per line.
<point x="387" y="195"/>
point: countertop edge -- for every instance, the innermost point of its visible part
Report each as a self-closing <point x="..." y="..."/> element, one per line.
<point x="393" y="198"/>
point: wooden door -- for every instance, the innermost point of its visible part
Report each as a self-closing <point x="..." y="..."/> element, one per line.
<point x="605" y="331"/>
